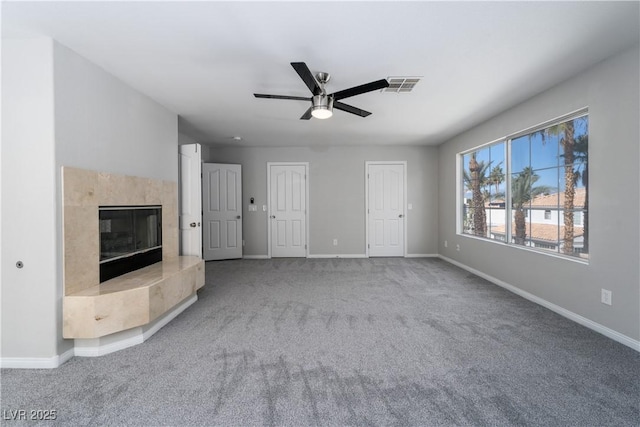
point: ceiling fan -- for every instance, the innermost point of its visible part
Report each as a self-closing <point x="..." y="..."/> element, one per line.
<point x="322" y="104"/>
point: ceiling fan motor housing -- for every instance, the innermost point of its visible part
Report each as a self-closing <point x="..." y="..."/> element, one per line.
<point x="323" y="78"/>
<point x="322" y="106"/>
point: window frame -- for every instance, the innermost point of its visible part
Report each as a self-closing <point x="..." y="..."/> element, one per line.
<point x="507" y="140"/>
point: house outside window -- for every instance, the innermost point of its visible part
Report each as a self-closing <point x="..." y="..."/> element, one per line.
<point x="530" y="188"/>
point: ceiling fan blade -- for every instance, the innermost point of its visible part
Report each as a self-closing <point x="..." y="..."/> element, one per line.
<point x="297" y="98"/>
<point x="357" y="90"/>
<point x="349" y="109"/>
<point x="307" y="114"/>
<point x="306" y="76"/>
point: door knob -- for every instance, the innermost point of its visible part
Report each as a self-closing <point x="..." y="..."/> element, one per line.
<point x="273" y="216"/>
<point x="238" y="217"/>
<point x="400" y="216"/>
<point x="193" y="224"/>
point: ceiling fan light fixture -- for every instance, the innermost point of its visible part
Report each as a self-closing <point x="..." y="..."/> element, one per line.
<point x="322" y="107"/>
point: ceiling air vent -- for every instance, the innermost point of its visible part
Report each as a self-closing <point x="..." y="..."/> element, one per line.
<point x="401" y="84"/>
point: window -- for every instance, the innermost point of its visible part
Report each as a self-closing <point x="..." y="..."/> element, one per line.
<point x="530" y="189"/>
<point x="577" y="219"/>
<point x="484" y="192"/>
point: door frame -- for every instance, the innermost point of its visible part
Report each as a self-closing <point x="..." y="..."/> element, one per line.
<point x="306" y="208"/>
<point x="366" y="201"/>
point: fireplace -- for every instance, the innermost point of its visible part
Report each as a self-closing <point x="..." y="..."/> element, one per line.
<point x="130" y="238"/>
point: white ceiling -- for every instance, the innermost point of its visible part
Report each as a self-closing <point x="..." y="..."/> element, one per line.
<point x="204" y="60"/>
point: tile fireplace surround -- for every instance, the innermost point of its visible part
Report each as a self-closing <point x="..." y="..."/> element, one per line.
<point x="92" y="309"/>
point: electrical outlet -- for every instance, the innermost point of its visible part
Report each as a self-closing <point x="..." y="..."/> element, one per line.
<point x="335" y="242"/>
<point x="458" y="248"/>
<point x="446" y="244"/>
<point x="605" y="296"/>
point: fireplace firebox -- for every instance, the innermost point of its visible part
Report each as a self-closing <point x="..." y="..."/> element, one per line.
<point x="130" y="238"/>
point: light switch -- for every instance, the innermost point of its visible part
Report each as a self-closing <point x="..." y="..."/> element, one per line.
<point x="410" y="206"/>
<point x="264" y="208"/>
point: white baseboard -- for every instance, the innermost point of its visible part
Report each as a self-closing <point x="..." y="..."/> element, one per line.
<point x="343" y="256"/>
<point x="87" y="348"/>
<point x="36" y="362"/>
<point x="337" y="256"/>
<point x="607" y="332"/>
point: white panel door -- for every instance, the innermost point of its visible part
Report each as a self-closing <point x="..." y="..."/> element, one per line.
<point x="190" y="215"/>
<point x="222" y="211"/>
<point x="287" y="210"/>
<point x="386" y="209"/>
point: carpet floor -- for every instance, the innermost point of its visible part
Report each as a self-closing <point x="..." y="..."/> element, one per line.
<point x="357" y="342"/>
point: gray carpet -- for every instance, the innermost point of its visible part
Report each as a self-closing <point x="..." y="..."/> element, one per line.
<point x="347" y="342"/>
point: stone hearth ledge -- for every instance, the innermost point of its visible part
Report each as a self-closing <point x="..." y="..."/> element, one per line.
<point x="134" y="299"/>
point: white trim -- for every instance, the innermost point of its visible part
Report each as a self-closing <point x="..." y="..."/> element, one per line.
<point x="337" y="256"/>
<point x="255" y="257"/>
<point x="459" y="194"/>
<point x="421" y="256"/>
<point x="66" y="356"/>
<point x="36" y="362"/>
<point x="405" y="190"/>
<point x="82" y="350"/>
<point x="306" y="197"/>
<point x="610" y="333"/>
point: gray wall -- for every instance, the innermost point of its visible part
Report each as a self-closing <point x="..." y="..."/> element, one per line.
<point x="610" y="90"/>
<point x="29" y="221"/>
<point x="337" y="194"/>
<point x="61" y="110"/>
<point x="104" y="125"/>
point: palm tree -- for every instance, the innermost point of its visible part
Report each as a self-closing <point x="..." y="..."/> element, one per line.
<point x="522" y="192"/>
<point x="496" y="177"/>
<point x="566" y="132"/>
<point x="476" y="180"/>
<point x="582" y="157"/>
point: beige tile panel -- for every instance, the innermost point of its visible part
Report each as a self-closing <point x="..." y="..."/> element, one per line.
<point x="133" y="299"/>
<point x="120" y="311"/>
<point x="84" y="189"/>
<point x="92" y="310"/>
<point x="199" y="275"/>
<point x="78" y="317"/>
<point x="171" y="292"/>
<point x="81" y="247"/>
<point x="80" y="187"/>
